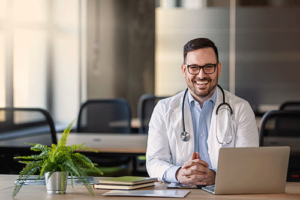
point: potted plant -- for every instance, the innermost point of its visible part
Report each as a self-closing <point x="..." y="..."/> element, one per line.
<point x="58" y="158"/>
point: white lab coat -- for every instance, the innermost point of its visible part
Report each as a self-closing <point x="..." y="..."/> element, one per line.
<point x="165" y="147"/>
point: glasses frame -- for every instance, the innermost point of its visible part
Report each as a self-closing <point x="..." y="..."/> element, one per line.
<point x="202" y="67"/>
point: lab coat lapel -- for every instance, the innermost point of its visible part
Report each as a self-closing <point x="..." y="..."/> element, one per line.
<point x="185" y="148"/>
<point x="212" y="143"/>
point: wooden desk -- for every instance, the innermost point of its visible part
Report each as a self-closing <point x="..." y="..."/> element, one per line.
<point x="79" y="192"/>
<point x="110" y="143"/>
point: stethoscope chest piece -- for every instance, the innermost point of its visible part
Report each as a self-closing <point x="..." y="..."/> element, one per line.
<point x="185" y="136"/>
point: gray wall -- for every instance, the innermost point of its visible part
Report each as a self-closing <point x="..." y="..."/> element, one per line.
<point x="120" y="49"/>
<point x="267" y="54"/>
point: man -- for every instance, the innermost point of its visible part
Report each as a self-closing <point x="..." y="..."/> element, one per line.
<point x="194" y="161"/>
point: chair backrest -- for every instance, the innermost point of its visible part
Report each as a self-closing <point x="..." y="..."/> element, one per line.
<point x="282" y="128"/>
<point x="290" y="105"/>
<point x="105" y="116"/>
<point x="19" y="126"/>
<point x="146" y="105"/>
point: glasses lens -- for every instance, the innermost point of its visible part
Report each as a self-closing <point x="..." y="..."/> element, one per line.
<point x="209" y="69"/>
<point x="194" y="69"/>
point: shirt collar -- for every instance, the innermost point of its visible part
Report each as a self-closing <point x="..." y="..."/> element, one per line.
<point x="212" y="99"/>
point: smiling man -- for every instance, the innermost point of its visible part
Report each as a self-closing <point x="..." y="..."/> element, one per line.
<point x="185" y="133"/>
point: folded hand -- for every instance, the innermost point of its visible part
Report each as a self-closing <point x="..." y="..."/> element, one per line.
<point x="195" y="171"/>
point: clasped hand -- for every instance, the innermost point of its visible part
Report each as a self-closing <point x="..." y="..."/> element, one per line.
<point x="195" y="171"/>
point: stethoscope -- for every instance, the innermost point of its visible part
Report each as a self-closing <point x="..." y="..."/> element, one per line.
<point x="185" y="136"/>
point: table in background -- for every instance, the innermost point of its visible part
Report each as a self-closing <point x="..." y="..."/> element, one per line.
<point x="111" y="142"/>
<point x="38" y="192"/>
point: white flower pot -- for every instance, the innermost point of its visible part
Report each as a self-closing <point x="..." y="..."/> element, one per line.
<point x="53" y="184"/>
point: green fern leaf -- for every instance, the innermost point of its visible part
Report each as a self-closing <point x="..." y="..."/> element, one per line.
<point x="75" y="147"/>
<point x="30" y="169"/>
<point x="40" y="147"/>
<point x="63" y="139"/>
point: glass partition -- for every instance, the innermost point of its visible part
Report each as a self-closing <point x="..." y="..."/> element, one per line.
<point x="267" y="55"/>
<point x="259" y="38"/>
<point x="66" y="86"/>
<point x="177" y="22"/>
<point x="30" y="10"/>
<point x="30" y="68"/>
<point x="3" y="4"/>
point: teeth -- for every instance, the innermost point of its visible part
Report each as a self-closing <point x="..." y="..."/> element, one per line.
<point x="201" y="82"/>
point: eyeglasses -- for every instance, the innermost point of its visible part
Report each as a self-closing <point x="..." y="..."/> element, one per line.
<point x="207" y="69"/>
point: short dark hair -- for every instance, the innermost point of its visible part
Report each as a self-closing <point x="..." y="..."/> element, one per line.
<point x="199" y="43"/>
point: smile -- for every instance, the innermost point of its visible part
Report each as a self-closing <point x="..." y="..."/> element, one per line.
<point x="201" y="82"/>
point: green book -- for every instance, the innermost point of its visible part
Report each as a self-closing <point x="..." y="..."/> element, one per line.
<point x="128" y="180"/>
<point x="121" y="187"/>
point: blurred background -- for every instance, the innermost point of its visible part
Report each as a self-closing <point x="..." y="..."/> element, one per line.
<point x="56" y="54"/>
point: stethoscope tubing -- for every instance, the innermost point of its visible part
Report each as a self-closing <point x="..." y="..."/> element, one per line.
<point x="185" y="136"/>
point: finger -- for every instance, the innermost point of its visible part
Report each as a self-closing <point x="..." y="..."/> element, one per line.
<point x="190" y="163"/>
<point x="193" y="156"/>
<point x="195" y="179"/>
<point x="195" y="170"/>
<point x="202" y="162"/>
<point x="198" y="156"/>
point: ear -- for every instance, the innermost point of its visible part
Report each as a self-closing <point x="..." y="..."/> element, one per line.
<point x="183" y="69"/>
<point x="219" y="69"/>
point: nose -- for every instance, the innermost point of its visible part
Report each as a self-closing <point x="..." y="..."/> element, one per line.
<point x="201" y="74"/>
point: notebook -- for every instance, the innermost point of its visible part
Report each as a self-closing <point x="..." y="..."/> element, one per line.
<point x="125" y="183"/>
<point x="251" y="170"/>
<point x="122" y="187"/>
<point x="128" y="180"/>
<point x="149" y="193"/>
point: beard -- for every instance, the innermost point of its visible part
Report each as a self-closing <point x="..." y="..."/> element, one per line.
<point x="208" y="91"/>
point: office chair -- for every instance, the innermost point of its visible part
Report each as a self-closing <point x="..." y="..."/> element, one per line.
<point x="282" y="128"/>
<point x="106" y="116"/>
<point x="146" y="105"/>
<point x="290" y="105"/>
<point x="20" y="125"/>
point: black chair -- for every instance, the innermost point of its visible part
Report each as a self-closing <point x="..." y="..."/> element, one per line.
<point x="19" y="126"/>
<point x="146" y="105"/>
<point x="106" y="116"/>
<point x="290" y="105"/>
<point x="282" y="128"/>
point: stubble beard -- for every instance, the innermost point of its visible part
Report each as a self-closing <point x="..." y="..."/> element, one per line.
<point x="210" y="90"/>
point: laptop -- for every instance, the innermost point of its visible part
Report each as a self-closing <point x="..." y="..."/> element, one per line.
<point x="251" y="170"/>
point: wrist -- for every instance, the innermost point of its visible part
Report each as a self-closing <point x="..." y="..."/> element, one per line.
<point x="212" y="175"/>
<point x="177" y="174"/>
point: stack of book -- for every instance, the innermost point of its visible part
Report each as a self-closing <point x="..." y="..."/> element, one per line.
<point x="125" y="183"/>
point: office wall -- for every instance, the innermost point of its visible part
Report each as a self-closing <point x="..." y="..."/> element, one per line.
<point x="267" y="54"/>
<point x="266" y="42"/>
<point x="174" y="28"/>
<point x="120" y="49"/>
